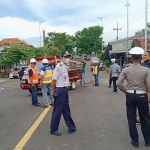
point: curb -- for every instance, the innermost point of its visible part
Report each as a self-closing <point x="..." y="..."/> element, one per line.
<point x="4" y="80"/>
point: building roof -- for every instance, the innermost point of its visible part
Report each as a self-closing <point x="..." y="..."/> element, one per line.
<point x="12" y="41"/>
<point x="129" y="38"/>
<point x="120" y="46"/>
<point x="140" y="42"/>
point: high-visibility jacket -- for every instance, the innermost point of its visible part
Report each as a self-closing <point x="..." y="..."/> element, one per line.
<point x="48" y="72"/>
<point x="95" y="70"/>
<point x="34" y="76"/>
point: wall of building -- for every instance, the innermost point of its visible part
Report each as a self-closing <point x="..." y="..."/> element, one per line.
<point x="1" y="50"/>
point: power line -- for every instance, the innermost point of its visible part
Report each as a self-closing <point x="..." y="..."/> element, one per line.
<point x="132" y="19"/>
<point x="135" y="36"/>
<point x="132" y="22"/>
<point x="143" y="10"/>
<point x="141" y="15"/>
<point x="137" y="6"/>
<point x="136" y="19"/>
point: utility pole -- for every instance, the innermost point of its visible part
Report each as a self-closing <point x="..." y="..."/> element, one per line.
<point x="40" y="31"/>
<point x="127" y="5"/>
<point x="117" y="30"/>
<point x="146" y="12"/>
<point x="102" y="31"/>
<point x="43" y="35"/>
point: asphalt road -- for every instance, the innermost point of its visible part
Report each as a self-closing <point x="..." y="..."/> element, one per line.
<point x="99" y="115"/>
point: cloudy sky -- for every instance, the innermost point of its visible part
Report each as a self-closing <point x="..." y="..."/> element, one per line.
<point x="20" y="18"/>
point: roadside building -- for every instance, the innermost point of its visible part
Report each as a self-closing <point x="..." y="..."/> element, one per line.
<point x="140" y="42"/>
<point x="119" y="49"/>
<point x="11" y="41"/>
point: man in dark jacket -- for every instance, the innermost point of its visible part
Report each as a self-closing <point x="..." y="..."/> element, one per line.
<point x="145" y="63"/>
<point x="21" y="72"/>
<point x="146" y="59"/>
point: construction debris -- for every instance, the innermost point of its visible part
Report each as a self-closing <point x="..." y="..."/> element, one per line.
<point x="74" y="66"/>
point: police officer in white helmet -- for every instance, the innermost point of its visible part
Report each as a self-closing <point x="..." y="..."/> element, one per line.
<point x="137" y="77"/>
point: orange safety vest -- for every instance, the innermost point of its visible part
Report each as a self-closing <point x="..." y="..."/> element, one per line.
<point x="34" y="76"/>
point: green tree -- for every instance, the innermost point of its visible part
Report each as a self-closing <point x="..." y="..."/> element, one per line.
<point x="14" y="53"/>
<point x="52" y="50"/>
<point x="89" y="40"/>
<point x="102" y="57"/>
<point x="142" y="31"/>
<point x="59" y="41"/>
<point x="70" y="43"/>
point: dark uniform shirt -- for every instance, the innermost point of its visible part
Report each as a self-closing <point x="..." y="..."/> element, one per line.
<point x="146" y="64"/>
<point x="21" y="73"/>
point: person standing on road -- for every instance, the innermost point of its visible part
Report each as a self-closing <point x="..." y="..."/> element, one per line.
<point x="46" y="80"/>
<point x="96" y="73"/>
<point x="137" y="77"/>
<point x="60" y="82"/>
<point x="33" y="81"/>
<point x="21" y="73"/>
<point x="115" y="71"/>
<point x="83" y="73"/>
<point x="110" y="78"/>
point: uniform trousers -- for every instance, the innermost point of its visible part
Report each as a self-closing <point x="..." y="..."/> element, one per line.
<point x="139" y="101"/>
<point x="137" y="113"/>
<point x="61" y="106"/>
<point x="114" y="79"/>
<point x="34" y="94"/>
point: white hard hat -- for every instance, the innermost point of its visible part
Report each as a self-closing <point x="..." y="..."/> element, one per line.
<point x="44" y="61"/>
<point x="32" y="60"/>
<point x="136" y="51"/>
<point x="112" y="60"/>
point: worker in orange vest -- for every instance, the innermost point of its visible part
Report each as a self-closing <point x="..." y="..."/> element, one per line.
<point x="33" y="81"/>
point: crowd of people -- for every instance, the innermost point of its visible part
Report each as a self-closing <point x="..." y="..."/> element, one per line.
<point x="137" y="88"/>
